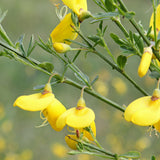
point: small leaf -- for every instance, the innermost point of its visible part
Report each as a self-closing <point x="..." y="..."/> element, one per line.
<point x="116" y="39"/>
<point x="5" y="37"/>
<point x="139" y="42"/>
<point x="2" y="15"/>
<point x="131" y="154"/>
<point x="21" y="46"/>
<point x="104" y="15"/>
<point x="31" y="46"/>
<point x="95" y="79"/>
<point x="121" y="61"/>
<point x="96" y="39"/>
<point x="75" y="19"/>
<point x="101" y="25"/>
<point x="47" y="66"/>
<point x="109" y="4"/>
<point x="131" y="36"/>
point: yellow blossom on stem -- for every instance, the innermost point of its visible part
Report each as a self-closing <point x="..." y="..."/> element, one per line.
<point x="79" y="7"/>
<point x="76" y="6"/>
<point x="145" y="61"/>
<point x="35" y="102"/>
<point x="77" y="117"/>
<point x="64" y="31"/>
<point x="44" y="102"/>
<point x="53" y="111"/>
<point x="145" y="111"/>
<point x="157" y="21"/>
<point x="61" y="47"/>
<point x="72" y="139"/>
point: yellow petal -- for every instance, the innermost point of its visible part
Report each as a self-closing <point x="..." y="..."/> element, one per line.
<point x="145" y="62"/>
<point x="61" y="121"/>
<point x="34" y="102"/>
<point x="157" y="126"/>
<point x="64" y="31"/>
<point x="76" y="5"/>
<point x="157" y="19"/>
<point x="143" y="111"/>
<point x="53" y="111"/>
<point x="70" y="141"/>
<point x="80" y="118"/>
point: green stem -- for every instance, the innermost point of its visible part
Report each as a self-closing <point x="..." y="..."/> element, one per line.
<point x="108" y="51"/>
<point x="119" y="24"/>
<point x="100" y="150"/>
<point x="134" y="23"/>
<point x="123" y="73"/>
<point x="154" y="20"/>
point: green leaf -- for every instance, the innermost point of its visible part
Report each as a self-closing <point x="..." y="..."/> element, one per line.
<point x="75" y="19"/>
<point x="109" y="4"/>
<point x="95" y="79"/>
<point x="31" y="45"/>
<point x="149" y="31"/>
<point x="2" y="15"/>
<point x="96" y="39"/>
<point x="101" y="25"/>
<point x="139" y="42"/>
<point x="131" y="36"/>
<point x="117" y="39"/>
<point x="131" y="154"/>
<point x="20" y="44"/>
<point x="5" y="37"/>
<point x="47" y="66"/>
<point x="103" y="16"/>
<point x="121" y="61"/>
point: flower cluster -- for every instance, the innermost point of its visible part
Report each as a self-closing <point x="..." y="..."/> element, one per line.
<point x="65" y="29"/>
<point x="78" y="118"/>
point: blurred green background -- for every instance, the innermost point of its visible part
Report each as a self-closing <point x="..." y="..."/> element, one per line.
<point x="19" y="138"/>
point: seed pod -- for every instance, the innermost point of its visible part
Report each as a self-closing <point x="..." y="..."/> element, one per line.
<point x="145" y="61"/>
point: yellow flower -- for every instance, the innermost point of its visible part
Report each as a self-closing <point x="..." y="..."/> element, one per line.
<point x="37" y="101"/>
<point x="77" y="117"/>
<point x="76" y="6"/>
<point x="71" y="139"/>
<point x="64" y="31"/>
<point x="145" y="111"/>
<point x="145" y="61"/>
<point x="45" y="102"/>
<point x="157" y="19"/>
<point x="53" y="111"/>
<point x="61" y="47"/>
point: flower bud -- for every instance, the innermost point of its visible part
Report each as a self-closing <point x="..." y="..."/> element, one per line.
<point x="145" y="61"/>
<point x="84" y="15"/>
<point x="61" y="47"/>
